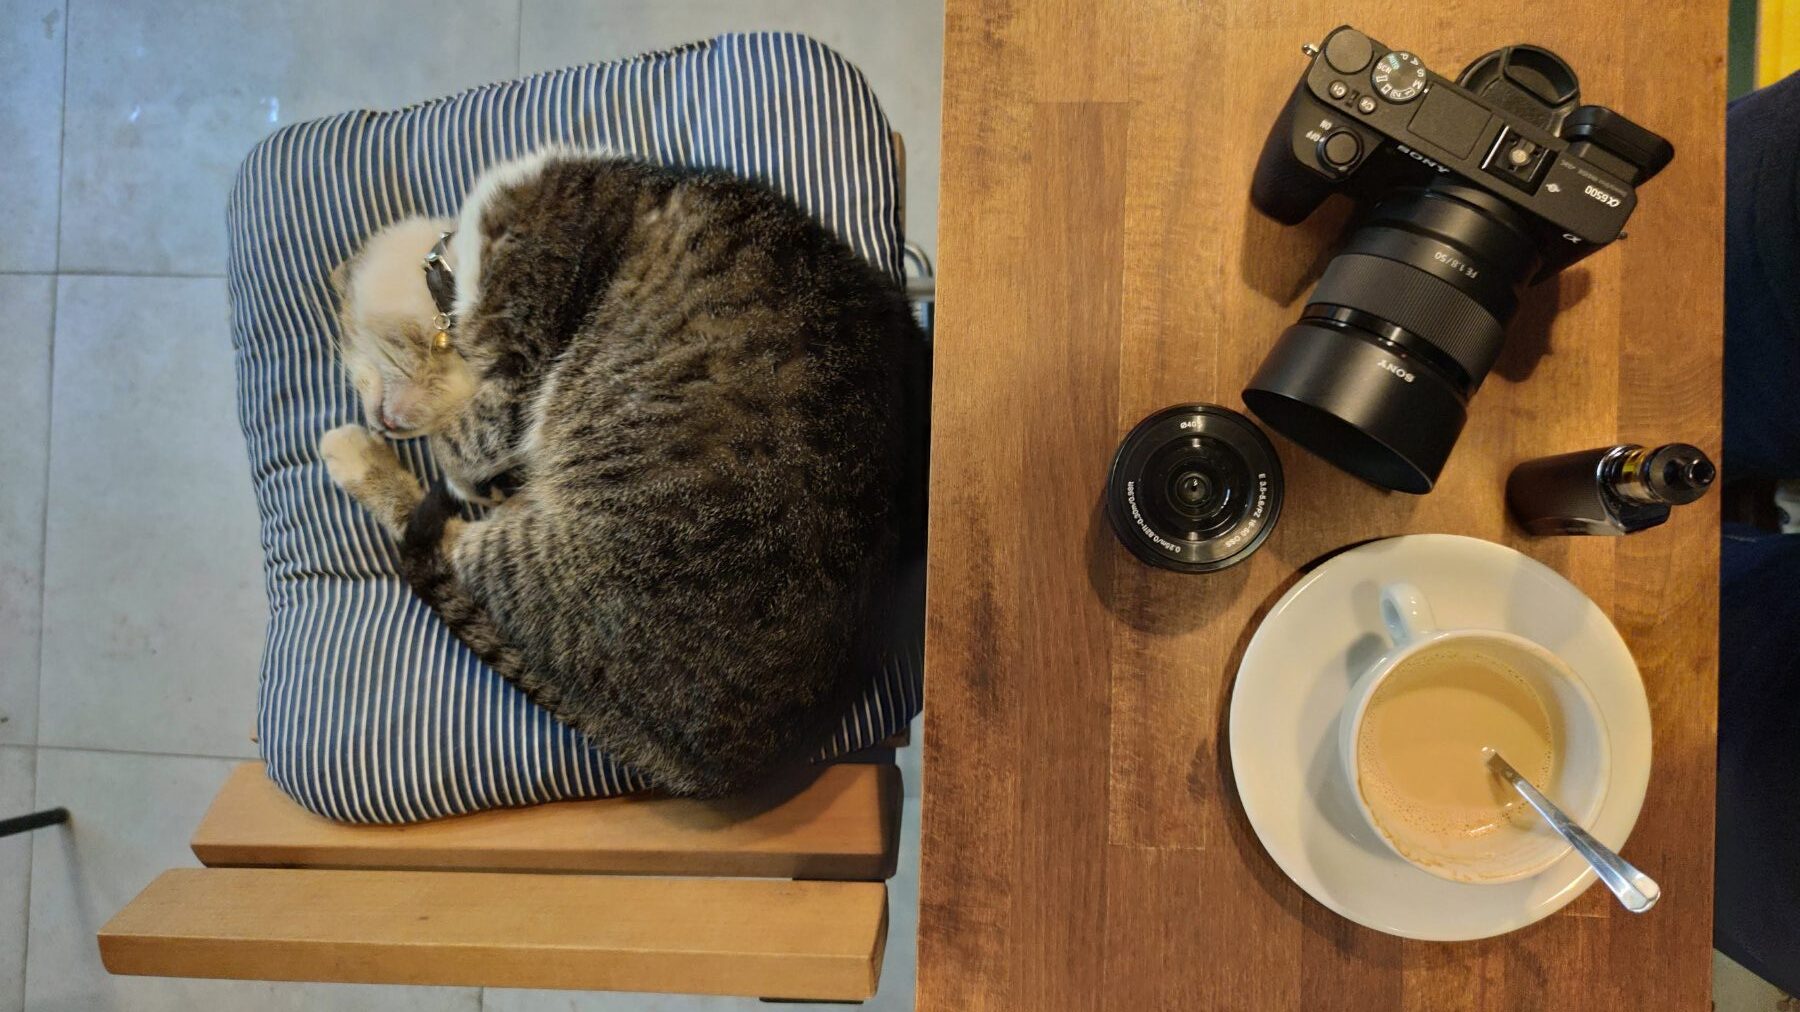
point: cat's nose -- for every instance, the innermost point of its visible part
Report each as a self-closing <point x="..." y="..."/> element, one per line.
<point x="387" y="420"/>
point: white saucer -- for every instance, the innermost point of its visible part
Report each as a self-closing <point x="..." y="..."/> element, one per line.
<point x="1297" y="673"/>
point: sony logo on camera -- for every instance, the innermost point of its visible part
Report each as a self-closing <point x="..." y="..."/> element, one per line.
<point x="1421" y="158"/>
<point x="1394" y="367"/>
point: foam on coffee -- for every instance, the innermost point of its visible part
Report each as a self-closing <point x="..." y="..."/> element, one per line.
<point x="1419" y="755"/>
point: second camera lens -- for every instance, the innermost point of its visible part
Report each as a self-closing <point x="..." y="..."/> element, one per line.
<point x="1194" y="488"/>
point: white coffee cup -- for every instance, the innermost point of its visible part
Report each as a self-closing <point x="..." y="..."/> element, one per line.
<point x="1578" y="779"/>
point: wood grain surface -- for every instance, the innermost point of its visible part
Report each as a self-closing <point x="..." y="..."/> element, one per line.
<point x="1099" y="259"/>
<point x="750" y="937"/>
<point x="835" y="822"/>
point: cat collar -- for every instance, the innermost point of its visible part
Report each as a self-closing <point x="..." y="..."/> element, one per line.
<point x="441" y="282"/>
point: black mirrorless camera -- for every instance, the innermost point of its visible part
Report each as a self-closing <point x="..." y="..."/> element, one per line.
<point x="1470" y="189"/>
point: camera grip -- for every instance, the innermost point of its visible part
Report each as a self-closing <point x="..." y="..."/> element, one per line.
<point x="1286" y="188"/>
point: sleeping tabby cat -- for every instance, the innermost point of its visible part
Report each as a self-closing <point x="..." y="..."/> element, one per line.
<point x="716" y="413"/>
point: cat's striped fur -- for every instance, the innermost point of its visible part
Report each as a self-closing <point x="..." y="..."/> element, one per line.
<point x="716" y="412"/>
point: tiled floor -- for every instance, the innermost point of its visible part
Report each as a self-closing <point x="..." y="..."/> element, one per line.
<point x="130" y="584"/>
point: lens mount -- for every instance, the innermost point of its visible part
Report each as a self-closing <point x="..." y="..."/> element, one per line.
<point x="1194" y="488"/>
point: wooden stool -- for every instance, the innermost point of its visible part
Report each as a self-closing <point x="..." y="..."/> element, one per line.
<point x="781" y="894"/>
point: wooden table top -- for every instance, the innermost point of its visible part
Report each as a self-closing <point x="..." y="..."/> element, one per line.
<point x="1099" y="259"/>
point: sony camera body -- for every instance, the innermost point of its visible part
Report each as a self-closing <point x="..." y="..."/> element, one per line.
<point x="1469" y="190"/>
<point x="1365" y="118"/>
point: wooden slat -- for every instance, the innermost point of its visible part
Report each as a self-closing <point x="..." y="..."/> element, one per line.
<point x="841" y="822"/>
<point x="752" y="937"/>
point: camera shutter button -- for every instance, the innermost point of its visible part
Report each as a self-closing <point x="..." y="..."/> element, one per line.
<point x="1340" y="149"/>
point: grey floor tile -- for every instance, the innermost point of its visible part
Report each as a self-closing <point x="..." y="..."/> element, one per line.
<point x="1736" y="989"/>
<point x="132" y="815"/>
<point x="31" y="78"/>
<point x="899" y="968"/>
<point x="911" y="759"/>
<point x="897" y="972"/>
<point x="898" y="45"/>
<point x="26" y="303"/>
<point x="165" y="99"/>
<point x="15" y="875"/>
<point x="154" y="607"/>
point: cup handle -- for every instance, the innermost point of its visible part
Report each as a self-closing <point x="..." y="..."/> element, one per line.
<point x="1406" y="613"/>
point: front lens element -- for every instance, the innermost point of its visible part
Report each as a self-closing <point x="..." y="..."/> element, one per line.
<point x="1192" y="489"/>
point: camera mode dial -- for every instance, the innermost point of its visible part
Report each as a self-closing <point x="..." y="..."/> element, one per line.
<point x="1398" y="77"/>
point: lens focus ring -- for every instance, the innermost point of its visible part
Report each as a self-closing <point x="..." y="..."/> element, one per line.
<point x="1411" y="299"/>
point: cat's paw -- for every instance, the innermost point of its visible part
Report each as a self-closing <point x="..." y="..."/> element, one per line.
<point x="352" y="453"/>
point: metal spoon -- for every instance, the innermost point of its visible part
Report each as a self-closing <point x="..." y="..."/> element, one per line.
<point x="1638" y="891"/>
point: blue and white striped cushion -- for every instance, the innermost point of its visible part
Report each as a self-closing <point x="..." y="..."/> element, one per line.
<point x="370" y="710"/>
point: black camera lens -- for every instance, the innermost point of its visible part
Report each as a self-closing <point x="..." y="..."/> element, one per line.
<point x="1398" y="335"/>
<point x="1194" y="488"/>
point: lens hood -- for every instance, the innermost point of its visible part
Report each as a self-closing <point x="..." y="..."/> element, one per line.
<point x="1360" y="404"/>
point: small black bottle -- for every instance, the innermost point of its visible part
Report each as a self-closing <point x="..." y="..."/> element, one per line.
<point x="1610" y="490"/>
